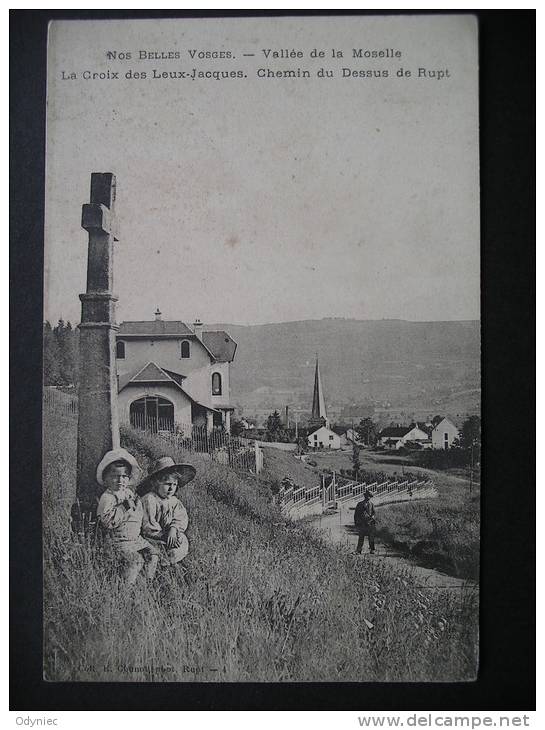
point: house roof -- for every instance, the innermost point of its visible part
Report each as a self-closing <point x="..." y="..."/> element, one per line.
<point x="422" y="426"/>
<point x="219" y="343"/>
<point x="395" y="431"/>
<point x="351" y="434"/>
<point x="446" y="420"/>
<point x="177" y="377"/>
<point x="155" y="327"/>
<point x="152" y="373"/>
<point x="322" y="428"/>
<point x="427" y="427"/>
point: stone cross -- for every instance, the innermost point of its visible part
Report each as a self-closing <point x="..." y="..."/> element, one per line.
<point x="98" y="425"/>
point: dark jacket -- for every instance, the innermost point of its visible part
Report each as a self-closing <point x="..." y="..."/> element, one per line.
<point x="364" y="516"/>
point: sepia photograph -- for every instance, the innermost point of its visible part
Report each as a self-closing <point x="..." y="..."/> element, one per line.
<point x="262" y="350"/>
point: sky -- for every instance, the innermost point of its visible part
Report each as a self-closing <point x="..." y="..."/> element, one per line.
<point x="252" y="200"/>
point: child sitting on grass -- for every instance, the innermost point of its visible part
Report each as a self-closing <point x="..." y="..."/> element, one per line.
<point x="120" y="514"/>
<point x="165" y="517"/>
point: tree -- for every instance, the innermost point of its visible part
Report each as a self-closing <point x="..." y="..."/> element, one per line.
<point x="356" y="465"/>
<point x="60" y="336"/>
<point x="65" y="351"/>
<point x="470" y="433"/>
<point x="436" y="419"/>
<point x="237" y="427"/>
<point x="51" y="357"/>
<point x="274" y="426"/>
<point x="367" y="431"/>
<point x="69" y="355"/>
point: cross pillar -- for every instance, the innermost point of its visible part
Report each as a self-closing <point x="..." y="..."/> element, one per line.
<point x="98" y="425"/>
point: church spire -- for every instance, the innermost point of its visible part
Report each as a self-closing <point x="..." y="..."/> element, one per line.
<point x="319" y="415"/>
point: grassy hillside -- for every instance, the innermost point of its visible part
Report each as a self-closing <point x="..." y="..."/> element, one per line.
<point x="268" y="600"/>
<point x="279" y="464"/>
<point x="444" y="533"/>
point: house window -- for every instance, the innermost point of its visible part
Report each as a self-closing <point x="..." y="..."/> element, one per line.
<point x="446" y="440"/>
<point x="120" y="350"/>
<point x="184" y="350"/>
<point x="331" y="438"/>
<point x="152" y="413"/>
<point x="316" y="437"/>
<point x="216" y="384"/>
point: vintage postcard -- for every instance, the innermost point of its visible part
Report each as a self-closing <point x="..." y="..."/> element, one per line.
<point x="262" y="350"/>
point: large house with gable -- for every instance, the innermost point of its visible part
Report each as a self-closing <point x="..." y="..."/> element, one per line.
<point x="444" y="434"/>
<point x="172" y="375"/>
<point x="395" y="437"/>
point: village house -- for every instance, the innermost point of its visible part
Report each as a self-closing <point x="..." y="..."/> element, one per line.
<point x="443" y="435"/>
<point x="351" y="436"/>
<point x="173" y="375"/>
<point x="324" y="438"/>
<point x="395" y="437"/>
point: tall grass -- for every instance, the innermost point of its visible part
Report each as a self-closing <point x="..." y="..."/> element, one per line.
<point x="443" y="532"/>
<point x="268" y="600"/>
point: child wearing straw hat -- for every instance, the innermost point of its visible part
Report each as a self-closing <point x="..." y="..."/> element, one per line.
<point x="120" y="514"/>
<point x="165" y="517"/>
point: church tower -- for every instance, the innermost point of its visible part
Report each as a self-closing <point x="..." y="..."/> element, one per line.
<point x="319" y="415"/>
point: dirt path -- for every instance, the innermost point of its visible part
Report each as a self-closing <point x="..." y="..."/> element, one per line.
<point x="339" y="528"/>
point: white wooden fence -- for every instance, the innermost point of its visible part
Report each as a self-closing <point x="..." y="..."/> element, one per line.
<point x="334" y="490"/>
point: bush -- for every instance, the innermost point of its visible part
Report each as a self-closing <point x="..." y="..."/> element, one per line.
<point x="443" y="458"/>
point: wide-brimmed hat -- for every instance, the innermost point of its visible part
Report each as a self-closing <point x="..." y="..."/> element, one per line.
<point x="110" y="457"/>
<point x="367" y="493"/>
<point x="164" y="466"/>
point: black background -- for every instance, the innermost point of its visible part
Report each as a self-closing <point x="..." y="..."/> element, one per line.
<point x="507" y="646"/>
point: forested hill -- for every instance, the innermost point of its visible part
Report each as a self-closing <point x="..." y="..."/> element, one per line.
<point x="359" y="359"/>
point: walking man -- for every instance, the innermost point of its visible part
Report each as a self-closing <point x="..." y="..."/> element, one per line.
<point x="365" y="521"/>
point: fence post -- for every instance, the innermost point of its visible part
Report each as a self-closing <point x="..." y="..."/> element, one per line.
<point x="323" y="492"/>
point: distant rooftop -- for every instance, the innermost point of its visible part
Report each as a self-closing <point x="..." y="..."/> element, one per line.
<point x="394" y="431"/>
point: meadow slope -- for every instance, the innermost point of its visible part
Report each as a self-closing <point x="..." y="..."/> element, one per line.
<point x="269" y="600"/>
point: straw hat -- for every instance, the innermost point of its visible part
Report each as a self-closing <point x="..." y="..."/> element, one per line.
<point x="164" y="466"/>
<point x="114" y="455"/>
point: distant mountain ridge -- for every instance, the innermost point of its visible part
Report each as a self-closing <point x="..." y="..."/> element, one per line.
<point x="383" y="361"/>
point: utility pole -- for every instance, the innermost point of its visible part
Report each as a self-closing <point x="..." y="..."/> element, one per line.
<point x="471" y="470"/>
<point x="296" y="417"/>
